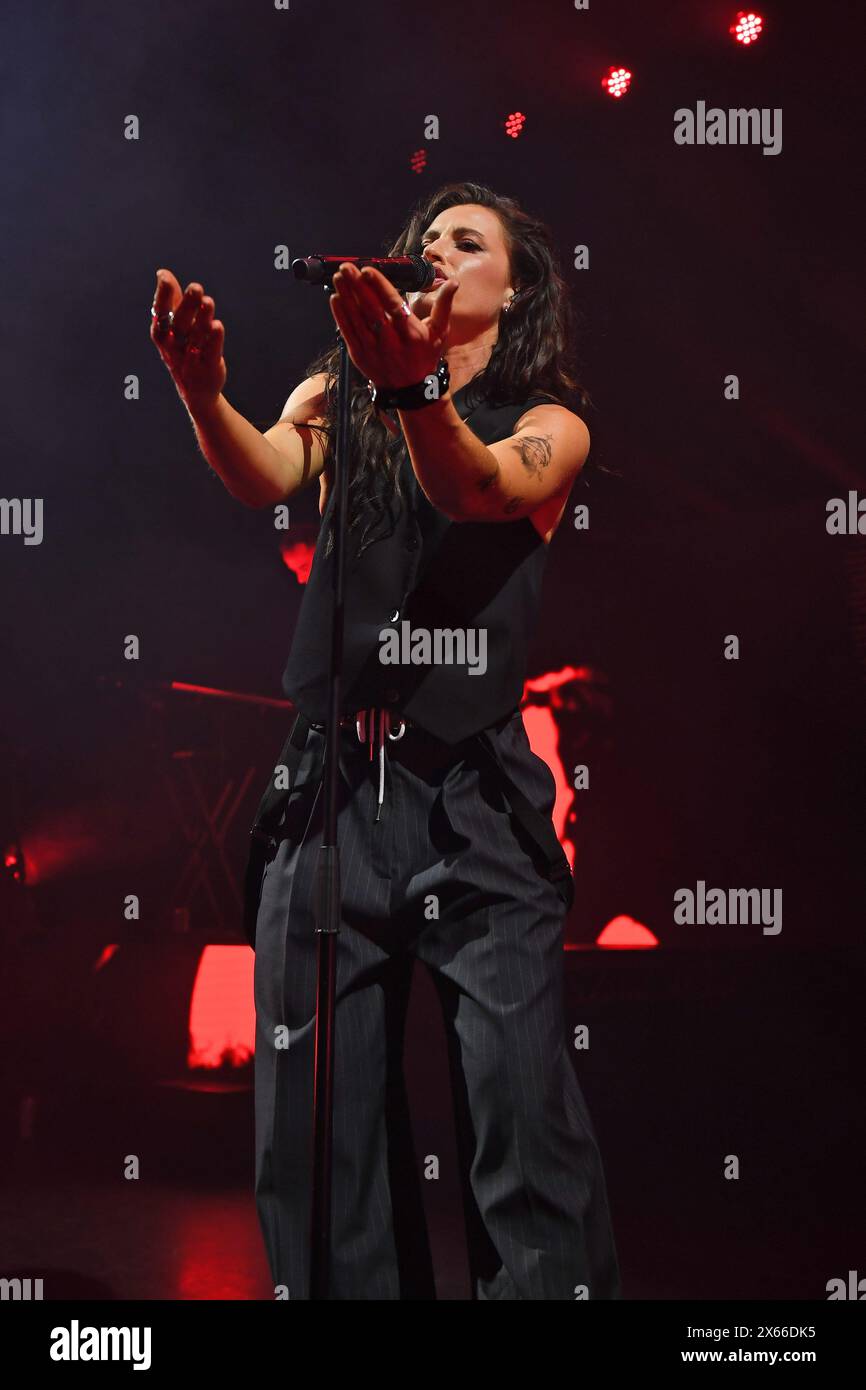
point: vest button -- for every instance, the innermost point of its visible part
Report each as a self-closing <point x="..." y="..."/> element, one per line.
<point x="412" y="543"/>
<point x="395" y="615"/>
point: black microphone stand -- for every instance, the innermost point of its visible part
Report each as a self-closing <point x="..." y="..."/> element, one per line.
<point x="328" y="894"/>
<point x="328" y="887"/>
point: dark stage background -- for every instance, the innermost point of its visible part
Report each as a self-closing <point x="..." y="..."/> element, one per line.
<point x="262" y="129"/>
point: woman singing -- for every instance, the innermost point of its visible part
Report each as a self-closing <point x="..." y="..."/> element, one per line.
<point x="463" y="456"/>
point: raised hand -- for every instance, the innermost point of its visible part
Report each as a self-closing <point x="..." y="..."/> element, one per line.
<point x="387" y="342"/>
<point x="188" y="339"/>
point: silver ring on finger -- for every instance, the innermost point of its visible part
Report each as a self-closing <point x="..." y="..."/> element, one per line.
<point x="394" y="315"/>
<point x="163" y="321"/>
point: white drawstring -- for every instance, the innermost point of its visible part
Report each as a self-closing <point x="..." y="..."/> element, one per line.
<point x="363" y="727"/>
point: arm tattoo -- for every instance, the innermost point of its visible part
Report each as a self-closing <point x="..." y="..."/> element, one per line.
<point x="535" y="454"/>
<point x="534" y="451"/>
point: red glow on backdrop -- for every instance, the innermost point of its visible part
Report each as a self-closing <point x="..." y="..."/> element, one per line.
<point x="236" y="696"/>
<point x="543" y="734"/>
<point x="617" y="81"/>
<point x="747" y="27"/>
<point x="71" y="844"/>
<point x="553" y="680"/>
<point x="106" y="954"/>
<point x="514" y="124"/>
<point x="625" y="934"/>
<point x="222" y="1020"/>
<point x="197" y="1234"/>
<point x="298" y="557"/>
<point x="418" y="161"/>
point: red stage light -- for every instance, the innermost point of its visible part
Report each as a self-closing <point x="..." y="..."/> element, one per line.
<point x="106" y="954"/>
<point x="298" y="557"/>
<point x="617" y="81"/>
<point x="222" y="1025"/>
<point x="13" y="862"/>
<point x="543" y="734"/>
<point x="514" y="123"/>
<point x="747" y="27"/>
<point x="625" y="934"/>
<point x="16" y="865"/>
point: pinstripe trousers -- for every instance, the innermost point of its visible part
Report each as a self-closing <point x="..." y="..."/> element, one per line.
<point x="446" y="876"/>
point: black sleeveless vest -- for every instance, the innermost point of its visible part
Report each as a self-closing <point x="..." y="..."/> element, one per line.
<point x="461" y="598"/>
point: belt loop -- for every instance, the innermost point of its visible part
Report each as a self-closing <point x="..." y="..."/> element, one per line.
<point x="365" y="721"/>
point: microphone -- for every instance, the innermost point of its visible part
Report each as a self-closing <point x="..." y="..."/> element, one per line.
<point x="404" y="272"/>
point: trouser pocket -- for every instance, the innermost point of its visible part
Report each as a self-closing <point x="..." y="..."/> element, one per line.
<point x="292" y="770"/>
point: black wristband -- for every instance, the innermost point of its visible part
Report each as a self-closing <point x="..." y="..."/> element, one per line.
<point x="413" y="397"/>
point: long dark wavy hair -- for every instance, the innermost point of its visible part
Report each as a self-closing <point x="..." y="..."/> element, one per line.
<point x="533" y="353"/>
